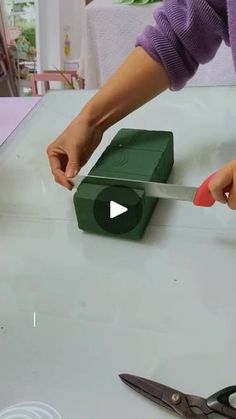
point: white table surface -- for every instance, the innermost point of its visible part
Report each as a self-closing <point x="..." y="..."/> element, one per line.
<point x="110" y="34"/>
<point x="78" y="309"/>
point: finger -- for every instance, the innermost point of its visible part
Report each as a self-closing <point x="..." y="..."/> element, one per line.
<point x="217" y="185"/>
<point x="218" y="194"/>
<point x="59" y="174"/>
<point x="232" y="194"/>
<point x="73" y="165"/>
<point x="62" y="180"/>
<point x="54" y="162"/>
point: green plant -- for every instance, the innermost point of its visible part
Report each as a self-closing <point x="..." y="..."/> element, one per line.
<point x="24" y="46"/>
<point x="30" y="35"/>
<point x="69" y="84"/>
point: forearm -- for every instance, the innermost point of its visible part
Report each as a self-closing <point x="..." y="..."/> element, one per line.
<point x="137" y="81"/>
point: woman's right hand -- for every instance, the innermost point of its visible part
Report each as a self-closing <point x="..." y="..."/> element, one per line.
<point x="72" y="149"/>
<point x="222" y="179"/>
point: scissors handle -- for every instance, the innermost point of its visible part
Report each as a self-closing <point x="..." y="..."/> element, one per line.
<point x="220" y="403"/>
<point x="203" y="197"/>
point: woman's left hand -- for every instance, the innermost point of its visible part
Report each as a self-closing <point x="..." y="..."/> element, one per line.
<point x="224" y="177"/>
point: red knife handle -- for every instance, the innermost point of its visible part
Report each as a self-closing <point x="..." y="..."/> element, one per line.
<point x="203" y="197"/>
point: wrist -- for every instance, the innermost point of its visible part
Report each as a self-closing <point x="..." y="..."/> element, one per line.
<point x="97" y="114"/>
<point x="88" y="118"/>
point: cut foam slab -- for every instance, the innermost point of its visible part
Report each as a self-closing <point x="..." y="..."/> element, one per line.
<point x="133" y="154"/>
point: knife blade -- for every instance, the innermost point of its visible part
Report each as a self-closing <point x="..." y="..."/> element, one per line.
<point x="199" y="196"/>
<point x="152" y="189"/>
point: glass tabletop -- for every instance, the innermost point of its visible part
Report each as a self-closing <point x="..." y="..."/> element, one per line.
<point x="76" y="309"/>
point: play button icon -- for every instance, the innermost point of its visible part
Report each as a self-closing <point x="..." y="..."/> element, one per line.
<point x="118" y="209"/>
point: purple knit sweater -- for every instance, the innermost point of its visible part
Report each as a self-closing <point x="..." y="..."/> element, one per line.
<point x="188" y="33"/>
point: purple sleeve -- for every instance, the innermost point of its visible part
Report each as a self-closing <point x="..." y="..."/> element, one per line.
<point x="186" y="33"/>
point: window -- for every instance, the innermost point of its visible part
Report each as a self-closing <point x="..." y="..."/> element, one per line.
<point x="21" y="20"/>
<point x="20" y="13"/>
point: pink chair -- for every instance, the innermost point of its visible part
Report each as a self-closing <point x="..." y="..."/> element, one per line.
<point x="51" y="76"/>
<point x="81" y="83"/>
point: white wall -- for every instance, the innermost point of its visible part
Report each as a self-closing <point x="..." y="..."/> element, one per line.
<point x="72" y="15"/>
<point x="52" y="17"/>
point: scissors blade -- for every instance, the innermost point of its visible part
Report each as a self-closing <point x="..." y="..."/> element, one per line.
<point x="149" y="389"/>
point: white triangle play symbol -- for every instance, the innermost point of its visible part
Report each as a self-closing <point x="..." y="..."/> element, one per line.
<point x="116" y="209"/>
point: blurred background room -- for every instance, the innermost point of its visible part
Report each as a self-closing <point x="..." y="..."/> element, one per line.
<point x="78" y="44"/>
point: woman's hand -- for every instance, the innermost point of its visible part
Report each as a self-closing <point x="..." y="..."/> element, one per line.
<point x="72" y="149"/>
<point x="137" y="81"/>
<point x="223" y="178"/>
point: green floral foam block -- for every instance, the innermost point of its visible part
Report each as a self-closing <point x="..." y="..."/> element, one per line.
<point x="135" y="155"/>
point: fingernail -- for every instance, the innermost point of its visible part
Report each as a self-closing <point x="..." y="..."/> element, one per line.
<point x="71" y="174"/>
